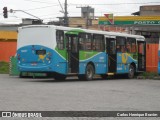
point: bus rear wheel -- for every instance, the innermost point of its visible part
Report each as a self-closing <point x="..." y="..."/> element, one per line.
<point x="131" y="72"/>
<point x="89" y="73"/>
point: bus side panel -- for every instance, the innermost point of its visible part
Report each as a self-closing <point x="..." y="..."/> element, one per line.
<point x="123" y="62"/>
<point x="59" y="63"/>
<point x="100" y="63"/>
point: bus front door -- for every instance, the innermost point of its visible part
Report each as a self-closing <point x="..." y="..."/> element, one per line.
<point x="112" y="56"/>
<point x="141" y="55"/>
<point x="73" y="54"/>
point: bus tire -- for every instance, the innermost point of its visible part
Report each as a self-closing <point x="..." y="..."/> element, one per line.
<point x="89" y="72"/>
<point x="59" y="77"/>
<point x="131" y="72"/>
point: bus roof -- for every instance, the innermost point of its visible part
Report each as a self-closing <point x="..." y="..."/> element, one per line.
<point x="106" y="33"/>
<point x="49" y="26"/>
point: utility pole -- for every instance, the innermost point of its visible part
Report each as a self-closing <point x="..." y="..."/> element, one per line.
<point x="65" y="14"/>
<point x="87" y="18"/>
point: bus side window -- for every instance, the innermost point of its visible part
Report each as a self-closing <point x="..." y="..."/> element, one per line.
<point x="98" y="43"/>
<point x="131" y="42"/>
<point x="128" y="46"/>
<point x="121" y="44"/>
<point x="60" y="39"/>
<point x="85" y="41"/>
<point x="133" y="47"/>
<point x="118" y="48"/>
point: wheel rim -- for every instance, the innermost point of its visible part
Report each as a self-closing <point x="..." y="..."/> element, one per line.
<point x="89" y="73"/>
<point x="131" y="72"/>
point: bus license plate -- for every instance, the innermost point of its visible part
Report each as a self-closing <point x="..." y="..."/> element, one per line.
<point x="33" y="64"/>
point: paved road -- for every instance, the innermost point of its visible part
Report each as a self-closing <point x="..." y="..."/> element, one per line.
<point x="17" y="94"/>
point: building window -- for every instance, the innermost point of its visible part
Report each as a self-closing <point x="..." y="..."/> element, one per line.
<point x="85" y="41"/>
<point x="60" y="39"/>
<point x="98" y="42"/>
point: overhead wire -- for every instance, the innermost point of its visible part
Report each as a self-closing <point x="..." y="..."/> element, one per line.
<point x="73" y="4"/>
<point x="83" y="5"/>
<point x="38" y="1"/>
<point x="41" y="7"/>
<point x="61" y="6"/>
<point x="114" y="3"/>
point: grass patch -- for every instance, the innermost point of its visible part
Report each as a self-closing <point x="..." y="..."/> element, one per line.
<point x="149" y="74"/>
<point x="4" y="67"/>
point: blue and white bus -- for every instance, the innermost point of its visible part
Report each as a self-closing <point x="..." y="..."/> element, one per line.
<point x="62" y="51"/>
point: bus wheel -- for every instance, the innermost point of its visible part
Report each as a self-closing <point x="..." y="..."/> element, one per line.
<point x="131" y="72"/>
<point x="59" y="77"/>
<point x="89" y="73"/>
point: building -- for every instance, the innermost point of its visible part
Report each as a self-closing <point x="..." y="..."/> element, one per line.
<point x="8" y="44"/>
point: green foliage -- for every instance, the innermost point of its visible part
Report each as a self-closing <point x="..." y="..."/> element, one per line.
<point x="149" y="74"/>
<point x="4" y="67"/>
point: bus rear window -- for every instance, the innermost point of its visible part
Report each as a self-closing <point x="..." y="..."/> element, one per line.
<point x="40" y="52"/>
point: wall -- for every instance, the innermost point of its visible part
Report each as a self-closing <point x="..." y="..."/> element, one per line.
<point x="150" y="10"/>
<point x="7" y="49"/>
<point x="8" y="45"/>
<point x="151" y="57"/>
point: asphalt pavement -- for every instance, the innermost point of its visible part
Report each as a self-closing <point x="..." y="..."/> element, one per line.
<point x="47" y="94"/>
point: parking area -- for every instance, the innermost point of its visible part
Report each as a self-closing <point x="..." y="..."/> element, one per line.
<point x="46" y="94"/>
<point x="73" y="94"/>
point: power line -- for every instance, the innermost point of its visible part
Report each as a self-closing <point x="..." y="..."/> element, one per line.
<point x="38" y="1"/>
<point x="42" y="16"/>
<point x="114" y="3"/>
<point x="41" y="7"/>
<point x="61" y="6"/>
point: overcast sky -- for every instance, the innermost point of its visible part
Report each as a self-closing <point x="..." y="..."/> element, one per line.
<point x="48" y="10"/>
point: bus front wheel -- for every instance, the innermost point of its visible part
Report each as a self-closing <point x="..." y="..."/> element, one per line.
<point x="131" y="72"/>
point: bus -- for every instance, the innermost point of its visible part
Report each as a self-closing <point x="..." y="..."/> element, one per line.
<point x="62" y="51"/>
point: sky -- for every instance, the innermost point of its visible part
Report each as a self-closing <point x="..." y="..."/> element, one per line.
<point x="49" y="10"/>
